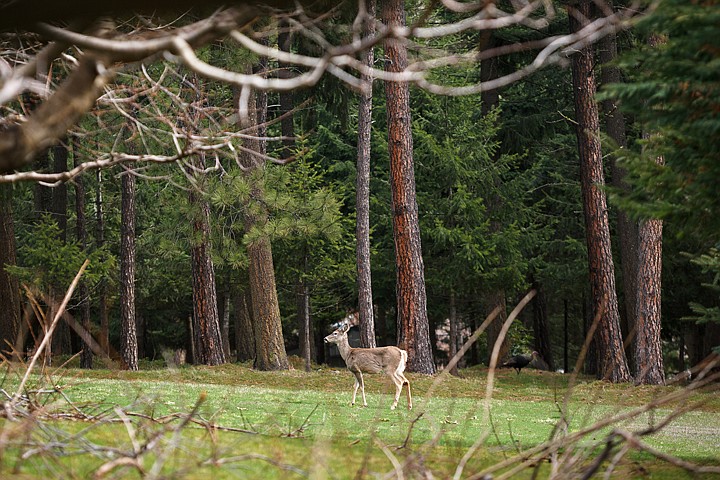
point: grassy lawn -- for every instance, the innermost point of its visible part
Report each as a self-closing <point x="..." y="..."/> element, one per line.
<point x="294" y="424"/>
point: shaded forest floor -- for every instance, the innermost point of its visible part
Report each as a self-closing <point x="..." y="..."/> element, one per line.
<point x="233" y="422"/>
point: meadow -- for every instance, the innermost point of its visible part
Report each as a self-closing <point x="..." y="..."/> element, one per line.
<point x="233" y="422"/>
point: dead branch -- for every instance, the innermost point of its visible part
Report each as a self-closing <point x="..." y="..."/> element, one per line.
<point x="103" y="51"/>
<point x="48" y="334"/>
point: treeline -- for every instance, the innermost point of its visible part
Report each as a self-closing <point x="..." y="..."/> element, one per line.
<point x="235" y="240"/>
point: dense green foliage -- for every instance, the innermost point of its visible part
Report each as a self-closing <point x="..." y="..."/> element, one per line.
<point x="498" y="193"/>
<point x="673" y="93"/>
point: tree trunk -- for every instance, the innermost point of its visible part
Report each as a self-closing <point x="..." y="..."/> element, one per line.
<point x="86" y="358"/>
<point x="305" y="325"/>
<point x="453" y="333"/>
<point x="128" y="327"/>
<point x="206" y="327"/>
<point x="648" y="344"/>
<point x="9" y="286"/>
<point x="287" y="127"/>
<point x="362" y="195"/>
<point x="541" y="326"/>
<point x="62" y="337"/>
<point x="627" y="227"/>
<point x="566" y="362"/>
<point x="224" y="312"/>
<point x="269" y="344"/>
<point x="612" y="361"/>
<point x="497" y="299"/>
<point x="59" y="193"/>
<point x="104" y="339"/>
<point x="244" y="335"/>
<point x="411" y="297"/>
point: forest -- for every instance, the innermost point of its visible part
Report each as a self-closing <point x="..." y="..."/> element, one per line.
<point x="243" y="179"/>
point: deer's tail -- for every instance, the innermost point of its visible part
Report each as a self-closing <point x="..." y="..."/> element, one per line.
<point x="403" y="362"/>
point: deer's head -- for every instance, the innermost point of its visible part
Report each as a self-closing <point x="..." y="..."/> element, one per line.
<point x="338" y="334"/>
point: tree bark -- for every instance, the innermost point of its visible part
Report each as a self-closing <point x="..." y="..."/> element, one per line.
<point x="224" y="312"/>
<point x="269" y="344"/>
<point x="362" y="195"/>
<point x="648" y="342"/>
<point x="104" y="339"/>
<point x="9" y="286"/>
<point x="453" y="333"/>
<point x="414" y="328"/>
<point x="206" y="327"/>
<point x="86" y="357"/>
<point x="244" y="334"/>
<point x="648" y="345"/>
<point x="305" y="325"/>
<point x="627" y="227"/>
<point x="496" y="299"/>
<point x="128" y="327"/>
<point x="612" y="362"/>
<point x="62" y="341"/>
<point x="541" y="326"/>
<point x="287" y="98"/>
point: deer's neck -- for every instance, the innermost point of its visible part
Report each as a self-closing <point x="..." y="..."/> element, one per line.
<point x="344" y="348"/>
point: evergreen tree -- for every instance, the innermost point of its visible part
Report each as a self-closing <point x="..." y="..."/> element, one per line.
<point x="612" y="362"/>
<point x="413" y="326"/>
<point x="9" y="287"/>
<point x="362" y="195"/>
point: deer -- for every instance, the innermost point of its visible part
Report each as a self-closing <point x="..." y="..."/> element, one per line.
<point x="391" y="360"/>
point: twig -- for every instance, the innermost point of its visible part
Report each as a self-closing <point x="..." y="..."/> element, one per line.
<point x="48" y="334"/>
<point x="490" y="379"/>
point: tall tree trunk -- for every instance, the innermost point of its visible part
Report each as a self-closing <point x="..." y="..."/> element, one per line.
<point x="453" y="332"/>
<point x="206" y="327"/>
<point x="244" y="334"/>
<point x="495" y="299"/>
<point x="269" y="344"/>
<point x="287" y="98"/>
<point x="413" y="321"/>
<point x="62" y="343"/>
<point x="566" y="335"/>
<point x="362" y="194"/>
<point x="305" y="330"/>
<point x="627" y="227"/>
<point x="541" y="326"/>
<point x="224" y="312"/>
<point x="648" y="343"/>
<point x="128" y="327"/>
<point x="86" y="357"/>
<point x="612" y="361"/>
<point x="104" y="339"/>
<point x="59" y="193"/>
<point x="9" y="286"/>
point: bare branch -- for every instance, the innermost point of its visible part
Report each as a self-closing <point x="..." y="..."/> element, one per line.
<point x="21" y="139"/>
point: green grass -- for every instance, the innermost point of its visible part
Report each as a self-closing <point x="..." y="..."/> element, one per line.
<point x="293" y="424"/>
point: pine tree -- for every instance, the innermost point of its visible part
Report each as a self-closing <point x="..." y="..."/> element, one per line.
<point x="413" y="325"/>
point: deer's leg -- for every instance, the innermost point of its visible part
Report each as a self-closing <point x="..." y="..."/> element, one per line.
<point x="359" y="382"/>
<point x="398" y="388"/>
<point x="409" y="395"/>
<point x="355" y="389"/>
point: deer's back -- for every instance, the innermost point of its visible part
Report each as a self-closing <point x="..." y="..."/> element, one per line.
<point x="373" y="360"/>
